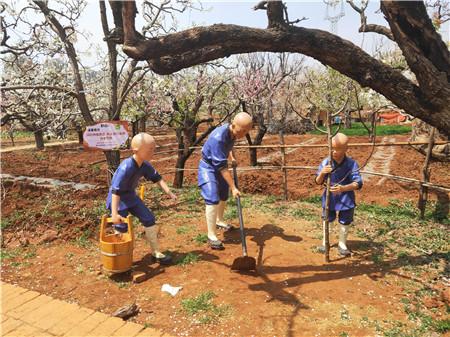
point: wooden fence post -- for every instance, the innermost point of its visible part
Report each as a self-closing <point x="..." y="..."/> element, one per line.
<point x="283" y="165"/>
<point x="423" y="191"/>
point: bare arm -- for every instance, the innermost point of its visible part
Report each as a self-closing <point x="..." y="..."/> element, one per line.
<point x="116" y="218"/>
<point x="227" y="176"/>
<point x="166" y="189"/>
<point x="323" y="173"/>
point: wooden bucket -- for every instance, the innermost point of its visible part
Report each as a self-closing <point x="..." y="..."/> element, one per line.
<point x="116" y="249"/>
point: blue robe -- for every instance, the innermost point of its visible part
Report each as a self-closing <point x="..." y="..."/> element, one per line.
<point x="349" y="169"/>
<point x="215" y="154"/>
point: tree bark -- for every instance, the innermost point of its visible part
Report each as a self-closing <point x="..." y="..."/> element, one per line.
<point x="179" y="174"/>
<point x="39" y="139"/>
<point x="143" y="122"/>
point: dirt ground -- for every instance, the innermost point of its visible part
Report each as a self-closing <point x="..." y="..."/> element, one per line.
<point x="52" y="248"/>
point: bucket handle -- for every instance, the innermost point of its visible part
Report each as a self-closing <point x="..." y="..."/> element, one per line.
<point x="107" y="220"/>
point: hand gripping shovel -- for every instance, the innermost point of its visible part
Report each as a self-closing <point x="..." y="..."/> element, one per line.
<point x="244" y="262"/>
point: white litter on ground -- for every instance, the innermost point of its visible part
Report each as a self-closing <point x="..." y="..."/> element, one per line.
<point x="170" y="289"/>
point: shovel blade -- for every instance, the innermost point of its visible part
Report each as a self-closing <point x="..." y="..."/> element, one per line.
<point x="244" y="263"/>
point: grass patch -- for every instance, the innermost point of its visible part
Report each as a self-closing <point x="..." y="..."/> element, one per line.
<point x="201" y="238"/>
<point x="358" y="129"/>
<point x="17" y="134"/>
<point x="189" y="258"/>
<point x="83" y="239"/>
<point x="191" y="195"/>
<point x="14" y="218"/>
<point x="204" y="309"/>
<point x="301" y="213"/>
<point x="183" y="229"/>
<point x="6" y="254"/>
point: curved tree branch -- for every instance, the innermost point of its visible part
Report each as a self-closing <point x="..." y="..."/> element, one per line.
<point x="429" y="102"/>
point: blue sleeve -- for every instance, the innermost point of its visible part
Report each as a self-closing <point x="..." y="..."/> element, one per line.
<point x="151" y="174"/>
<point x="355" y="175"/>
<point x="219" y="157"/>
<point x="119" y="181"/>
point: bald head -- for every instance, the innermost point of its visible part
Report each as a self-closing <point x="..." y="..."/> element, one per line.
<point x="340" y="146"/>
<point x="241" y="125"/>
<point x="243" y="119"/>
<point x="143" y="146"/>
<point x="142" y="139"/>
<point x="340" y="140"/>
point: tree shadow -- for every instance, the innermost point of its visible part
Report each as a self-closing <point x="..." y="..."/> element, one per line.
<point x="357" y="265"/>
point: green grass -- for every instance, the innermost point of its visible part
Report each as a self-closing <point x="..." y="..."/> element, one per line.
<point x="10" y="253"/>
<point x="358" y="129"/>
<point x="203" y="308"/>
<point x="183" y="229"/>
<point x="201" y="238"/>
<point x="83" y="239"/>
<point x="14" y="218"/>
<point x="189" y="258"/>
<point x="302" y="213"/>
<point x="17" y="134"/>
<point x="191" y="194"/>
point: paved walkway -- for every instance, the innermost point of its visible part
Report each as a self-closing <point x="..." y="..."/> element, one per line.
<point x="29" y="313"/>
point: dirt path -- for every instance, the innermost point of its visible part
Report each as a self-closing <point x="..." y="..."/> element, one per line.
<point x="46" y="182"/>
<point x="381" y="161"/>
<point x="33" y="146"/>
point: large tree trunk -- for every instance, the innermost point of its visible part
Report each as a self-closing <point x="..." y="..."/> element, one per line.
<point x="79" y="131"/>
<point x="179" y="173"/>
<point x="424" y="50"/>
<point x="39" y="139"/>
<point x="253" y="152"/>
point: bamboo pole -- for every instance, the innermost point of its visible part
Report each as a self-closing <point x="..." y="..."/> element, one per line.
<point x="283" y="163"/>
<point x="326" y="222"/>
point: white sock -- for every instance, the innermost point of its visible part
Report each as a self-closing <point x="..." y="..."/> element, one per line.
<point x="343" y="233"/>
<point x="151" y="234"/>
<point x="220" y="211"/>
<point x="211" y="216"/>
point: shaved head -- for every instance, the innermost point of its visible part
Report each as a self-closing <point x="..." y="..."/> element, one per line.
<point x="142" y="139"/>
<point x="241" y="125"/>
<point x="340" y="140"/>
<point x="340" y="146"/>
<point x="243" y="119"/>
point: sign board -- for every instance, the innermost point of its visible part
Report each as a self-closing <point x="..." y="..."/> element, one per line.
<point x="109" y="135"/>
